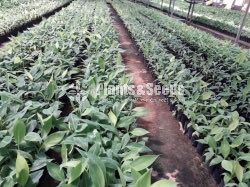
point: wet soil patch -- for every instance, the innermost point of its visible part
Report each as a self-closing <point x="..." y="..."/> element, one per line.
<point x="178" y="158"/>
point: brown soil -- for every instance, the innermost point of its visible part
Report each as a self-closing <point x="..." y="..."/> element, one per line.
<point x="178" y="158"/>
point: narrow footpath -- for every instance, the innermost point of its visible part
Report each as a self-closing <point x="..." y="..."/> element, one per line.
<point x="178" y="158"/>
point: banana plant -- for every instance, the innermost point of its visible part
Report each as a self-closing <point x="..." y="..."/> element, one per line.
<point x="213" y="98"/>
<point x="218" y="18"/>
<point x="54" y="125"/>
<point x="25" y="11"/>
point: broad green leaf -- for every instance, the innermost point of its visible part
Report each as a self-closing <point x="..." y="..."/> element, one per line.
<point x="51" y="88"/>
<point x="53" y="139"/>
<point x="206" y="95"/>
<point x="64" y="73"/>
<point x="239" y="170"/>
<point x="125" y="122"/>
<point x="139" y="147"/>
<point x="101" y="63"/>
<point x="216" y="130"/>
<point x="95" y="149"/>
<point x="34" y="178"/>
<point x="40" y="118"/>
<point x="216" y="161"/>
<point x="22" y="170"/>
<point x="38" y="164"/>
<point x="228" y="165"/>
<point x="144" y="180"/>
<point x="64" y="153"/>
<point x="110" y="163"/>
<point x="211" y="142"/>
<point x="139" y="132"/>
<point x="76" y="141"/>
<point x="76" y="171"/>
<point x="223" y="103"/>
<point x="9" y="182"/>
<point x="70" y="164"/>
<point x="112" y="117"/>
<point x="164" y="183"/>
<point x="216" y="119"/>
<point x="234" y="121"/>
<point x="46" y="124"/>
<point x="55" y="172"/>
<point x="238" y="141"/>
<point x="242" y="184"/>
<point x="225" y="148"/>
<point x="139" y="111"/>
<point x="28" y="75"/>
<point x="33" y="137"/>
<point x="118" y="107"/>
<point x="131" y="155"/>
<point x="5" y="141"/>
<point x="96" y="174"/>
<point x="125" y="140"/>
<point x="100" y="115"/>
<point x="19" y="131"/>
<point x="241" y="57"/>
<point x="10" y="96"/>
<point x="245" y="157"/>
<point x="246" y="175"/>
<point x="135" y="174"/>
<point x="17" y="60"/>
<point x="57" y="45"/>
<point x="143" y="162"/>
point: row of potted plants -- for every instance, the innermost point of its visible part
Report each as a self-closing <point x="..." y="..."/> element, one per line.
<point x="6" y="4"/>
<point x="57" y="127"/>
<point x="224" y="20"/>
<point x="25" y="12"/>
<point x="215" y="77"/>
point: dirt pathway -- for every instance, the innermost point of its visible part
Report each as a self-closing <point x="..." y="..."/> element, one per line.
<point x="178" y="157"/>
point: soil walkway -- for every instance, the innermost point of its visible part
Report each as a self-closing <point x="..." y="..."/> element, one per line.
<point x="178" y="158"/>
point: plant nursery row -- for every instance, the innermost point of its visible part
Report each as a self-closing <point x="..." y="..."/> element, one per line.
<point x="55" y="130"/>
<point x="214" y="109"/>
<point x="224" y="20"/>
<point x="58" y="127"/>
<point x="15" y="14"/>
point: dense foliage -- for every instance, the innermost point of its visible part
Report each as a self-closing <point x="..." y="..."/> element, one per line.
<point x="5" y="4"/>
<point x="14" y="14"/>
<point x="223" y="19"/>
<point x="216" y="78"/>
<point x="54" y="124"/>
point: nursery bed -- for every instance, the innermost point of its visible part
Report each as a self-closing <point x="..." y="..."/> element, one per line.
<point x="14" y="32"/>
<point x="178" y="158"/>
<point x="219" y="33"/>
